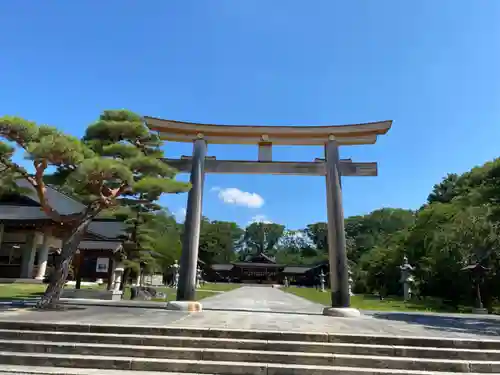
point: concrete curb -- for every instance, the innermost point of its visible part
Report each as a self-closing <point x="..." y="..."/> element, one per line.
<point x="92" y="302"/>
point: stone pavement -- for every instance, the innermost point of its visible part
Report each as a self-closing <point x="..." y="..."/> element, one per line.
<point x="261" y="298"/>
<point x="278" y="311"/>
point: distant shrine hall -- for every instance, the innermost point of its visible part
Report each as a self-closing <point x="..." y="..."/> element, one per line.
<point x="263" y="269"/>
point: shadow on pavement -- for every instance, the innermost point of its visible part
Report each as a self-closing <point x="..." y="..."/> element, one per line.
<point x="488" y="326"/>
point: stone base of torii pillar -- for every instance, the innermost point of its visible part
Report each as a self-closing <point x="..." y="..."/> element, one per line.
<point x="341" y="312"/>
<point x="190" y="306"/>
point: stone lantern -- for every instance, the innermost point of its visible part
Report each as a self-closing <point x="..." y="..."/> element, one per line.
<point x="406" y="278"/>
<point x="199" y="277"/>
<point x="322" y="281"/>
<point x="477" y="272"/>
<point x="175" y="272"/>
<point x="286" y="283"/>
<point x="351" y="281"/>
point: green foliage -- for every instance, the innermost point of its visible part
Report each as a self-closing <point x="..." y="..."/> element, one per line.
<point x="8" y="185"/>
<point x="57" y="148"/>
<point x="116" y="164"/>
<point x="459" y="226"/>
<point x="445" y="191"/>
<point x="295" y="247"/>
<point x="218" y="241"/>
<point x="18" y="130"/>
<point x="318" y="233"/>
<point x="167" y="239"/>
<point x="121" y="138"/>
<point x="262" y="237"/>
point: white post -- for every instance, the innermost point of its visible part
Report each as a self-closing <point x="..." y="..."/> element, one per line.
<point x="28" y="256"/>
<point x="43" y="255"/>
<point x="118" y="278"/>
<point x="113" y="275"/>
<point x="116" y="292"/>
<point x="1" y="234"/>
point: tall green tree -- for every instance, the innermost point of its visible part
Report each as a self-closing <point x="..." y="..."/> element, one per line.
<point x="262" y="237"/>
<point x="99" y="170"/>
<point x="218" y="241"/>
<point x="122" y="136"/>
<point x="166" y="233"/>
<point x="318" y="233"/>
<point x="446" y="190"/>
<point x="377" y="228"/>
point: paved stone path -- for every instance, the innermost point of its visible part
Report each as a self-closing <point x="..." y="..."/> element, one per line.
<point x="255" y="298"/>
<point x="278" y="311"/>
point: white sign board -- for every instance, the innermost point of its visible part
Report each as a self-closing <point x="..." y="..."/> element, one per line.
<point x="102" y="265"/>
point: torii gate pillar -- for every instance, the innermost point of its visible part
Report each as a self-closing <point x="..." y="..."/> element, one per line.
<point x="186" y="290"/>
<point x="339" y="279"/>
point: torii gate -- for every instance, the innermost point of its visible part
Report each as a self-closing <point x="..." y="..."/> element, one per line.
<point x="331" y="137"/>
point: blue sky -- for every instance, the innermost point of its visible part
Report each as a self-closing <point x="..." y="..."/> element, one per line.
<point x="431" y="66"/>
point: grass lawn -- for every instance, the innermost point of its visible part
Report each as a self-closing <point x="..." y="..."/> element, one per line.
<point x="19" y="291"/>
<point x="370" y="302"/>
<point x="9" y="292"/>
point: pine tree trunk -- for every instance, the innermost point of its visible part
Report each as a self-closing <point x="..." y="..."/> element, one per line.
<point x="58" y="278"/>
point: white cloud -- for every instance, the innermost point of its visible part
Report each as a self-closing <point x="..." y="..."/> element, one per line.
<point x="180" y="214"/>
<point x="260" y="219"/>
<point x="238" y="197"/>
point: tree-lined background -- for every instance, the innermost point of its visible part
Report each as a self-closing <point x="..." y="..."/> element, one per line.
<point x="456" y="227"/>
<point x="115" y="171"/>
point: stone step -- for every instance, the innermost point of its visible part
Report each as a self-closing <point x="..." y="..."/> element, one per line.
<point x="99" y="352"/>
<point x="436" y="342"/>
<point x="11" y="338"/>
<point x="206" y="367"/>
<point x="42" y="370"/>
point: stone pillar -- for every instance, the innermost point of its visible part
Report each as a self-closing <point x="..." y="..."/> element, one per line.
<point x="28" y="256"/>
<point x="116" y="293"/>
<point x="339" y="277"/>
<point x="189" y="258"/>
<point x="43" y="255"/>
<point x="1" y="234"/>
<point x="112" y="274"/>
<point x="118" y="271"/>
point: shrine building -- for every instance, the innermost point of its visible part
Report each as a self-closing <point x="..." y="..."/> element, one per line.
<point x="30" y="241"/>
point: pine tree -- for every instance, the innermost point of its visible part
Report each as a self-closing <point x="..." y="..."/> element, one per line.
<point x="118" y="163"/>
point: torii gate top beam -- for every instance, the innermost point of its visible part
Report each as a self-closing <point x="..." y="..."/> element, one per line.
<point x="357" y="134"/>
